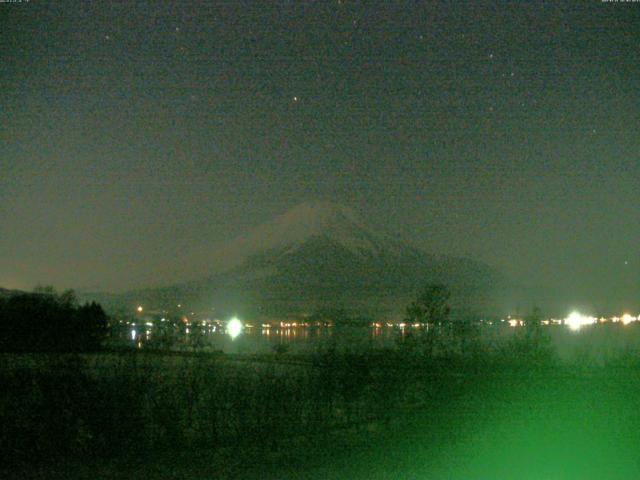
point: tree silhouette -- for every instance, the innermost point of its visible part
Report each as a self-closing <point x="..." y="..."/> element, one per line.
<point x="537" y="342"/>
<point x="431" y="307"/>
<point x="44" y="321"/>
<point x="531" y="346"/>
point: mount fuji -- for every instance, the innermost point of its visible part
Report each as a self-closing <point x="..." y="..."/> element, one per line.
<point x="323" y="256"/>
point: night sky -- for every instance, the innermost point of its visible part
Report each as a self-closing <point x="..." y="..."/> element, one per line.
<point x="134" y="133"/>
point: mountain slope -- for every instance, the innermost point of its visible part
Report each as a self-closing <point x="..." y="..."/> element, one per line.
<point x="320" y="256"/>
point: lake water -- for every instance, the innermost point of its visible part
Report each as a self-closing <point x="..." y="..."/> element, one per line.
<point x="274" y="339"/>
<point x="591" y="344"/>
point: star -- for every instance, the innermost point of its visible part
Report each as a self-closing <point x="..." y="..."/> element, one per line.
<point x="295" y="99"/>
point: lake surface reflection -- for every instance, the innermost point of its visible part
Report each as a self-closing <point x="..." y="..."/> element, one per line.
<point x="266" y="340"/>
<point x="302" y="340"/>
<point x="591" y="344"/>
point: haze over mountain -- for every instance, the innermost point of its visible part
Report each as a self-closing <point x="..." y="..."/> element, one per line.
<point x="322" y="256"/>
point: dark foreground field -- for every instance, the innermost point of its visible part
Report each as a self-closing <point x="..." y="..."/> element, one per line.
<point x="374" y="416"/>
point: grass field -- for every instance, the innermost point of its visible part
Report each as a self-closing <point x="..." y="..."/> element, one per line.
<point x="385" y="414"/>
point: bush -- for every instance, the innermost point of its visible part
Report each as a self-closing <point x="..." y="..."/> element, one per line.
<point x="46" y="322"/>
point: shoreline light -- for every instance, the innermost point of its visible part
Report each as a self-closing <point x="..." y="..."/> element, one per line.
<point x="576" y="320"/>
<point x="234" y="327"/>
<point x="627" y="319"/>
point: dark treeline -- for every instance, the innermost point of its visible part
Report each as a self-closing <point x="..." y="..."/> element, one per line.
<point x="44" y="321"/>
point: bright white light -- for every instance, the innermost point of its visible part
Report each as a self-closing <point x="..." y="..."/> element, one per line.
<point x="133" y="334"/>
<point x="234" y="327"/>
<point x="576" y="320"/>
<point x="139" y="309"/>
<point x="627" y="319"/>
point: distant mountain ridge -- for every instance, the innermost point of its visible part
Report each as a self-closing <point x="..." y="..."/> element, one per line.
<point x="320" y="256"/>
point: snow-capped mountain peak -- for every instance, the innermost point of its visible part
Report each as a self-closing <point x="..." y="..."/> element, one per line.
<point x="340" y="224"/>
<point x="314" y="255"/>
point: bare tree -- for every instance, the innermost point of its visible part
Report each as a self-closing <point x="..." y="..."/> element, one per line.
<point x="431" y="307"/>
